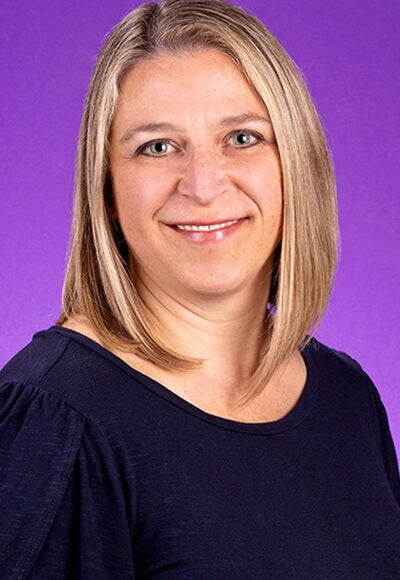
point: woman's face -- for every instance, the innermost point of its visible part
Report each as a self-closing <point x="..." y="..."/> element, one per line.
<point x="196" y="175"/>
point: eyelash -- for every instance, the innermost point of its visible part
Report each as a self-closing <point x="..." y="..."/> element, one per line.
<point x="142" y="149"/>
<point x="253" y="134"/>
<point x="257" y="138"/>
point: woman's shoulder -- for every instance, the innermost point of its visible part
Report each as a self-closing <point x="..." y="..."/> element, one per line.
<point x="55" y="456"/>
<point x="340" y="380"/>
<point x="24" y="398"/>
<point x="71" y="368"/>
<point x="343" y="385"/>
<point x="31" y="364"/>
<point x="333" y="362"/>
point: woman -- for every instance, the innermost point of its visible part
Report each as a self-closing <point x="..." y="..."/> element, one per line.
<point x="178" y="423"/>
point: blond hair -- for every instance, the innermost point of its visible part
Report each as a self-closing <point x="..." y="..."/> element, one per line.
<point x="97" y="281"/>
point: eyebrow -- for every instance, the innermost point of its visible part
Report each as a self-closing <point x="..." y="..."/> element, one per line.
<point x="147" y="128"/>
<point x="163" y="126"/>
<point x="244" y="118"/>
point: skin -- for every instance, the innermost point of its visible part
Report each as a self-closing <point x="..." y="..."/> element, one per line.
<point x="202" y="178"/>
<point x="192" y="144"/>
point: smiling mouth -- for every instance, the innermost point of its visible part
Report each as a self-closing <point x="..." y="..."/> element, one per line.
<point x="205" y="228"/>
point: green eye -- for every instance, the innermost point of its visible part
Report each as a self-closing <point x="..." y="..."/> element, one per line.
<point x="244" y="138"/>
<point x="158" y="148"/>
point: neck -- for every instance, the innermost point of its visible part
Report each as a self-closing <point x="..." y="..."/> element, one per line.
<point x="226" y="332"/>
<point x="227" y="335"/>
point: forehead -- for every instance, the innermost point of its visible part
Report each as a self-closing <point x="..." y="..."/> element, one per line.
<point x="203" y="83"/>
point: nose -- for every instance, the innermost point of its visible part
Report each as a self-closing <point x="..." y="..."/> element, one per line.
<point x="203" y="178"/>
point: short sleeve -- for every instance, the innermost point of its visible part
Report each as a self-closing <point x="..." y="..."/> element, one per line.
<point x="61" y="503"/>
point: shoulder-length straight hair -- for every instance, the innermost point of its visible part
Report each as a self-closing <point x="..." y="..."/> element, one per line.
<point x="97" y="281"/>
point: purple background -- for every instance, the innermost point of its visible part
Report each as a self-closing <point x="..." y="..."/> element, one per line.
<point x="349" y="52"/>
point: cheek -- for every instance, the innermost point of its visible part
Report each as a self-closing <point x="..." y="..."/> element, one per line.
<point x="266" y="191"/>
<point x="262" y="171"/>
<point x="138" y="197"/>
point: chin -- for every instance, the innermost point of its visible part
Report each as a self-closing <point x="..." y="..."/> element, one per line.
<point x="214" y="286"/>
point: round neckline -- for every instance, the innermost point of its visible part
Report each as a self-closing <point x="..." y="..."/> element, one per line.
<point x="286" y="423"/>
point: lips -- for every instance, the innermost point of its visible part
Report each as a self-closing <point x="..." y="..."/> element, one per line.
<point x="205" y="227"/>
<point x="205" y="233"/>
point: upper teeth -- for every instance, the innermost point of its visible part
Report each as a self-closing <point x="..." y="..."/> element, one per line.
<point x="209" y="228"/>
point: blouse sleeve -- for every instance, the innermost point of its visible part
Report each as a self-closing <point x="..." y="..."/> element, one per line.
<point x="61" y="504"/>
<point x="385" y="443"/>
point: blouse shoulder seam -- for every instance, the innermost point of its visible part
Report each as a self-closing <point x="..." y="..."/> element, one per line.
<point x="66" y="342"/>
<point x="55" y="396"/>
<point x="44" y="391"/>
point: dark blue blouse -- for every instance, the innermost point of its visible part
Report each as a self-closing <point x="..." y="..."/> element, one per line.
<point x="106" y="474"/>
